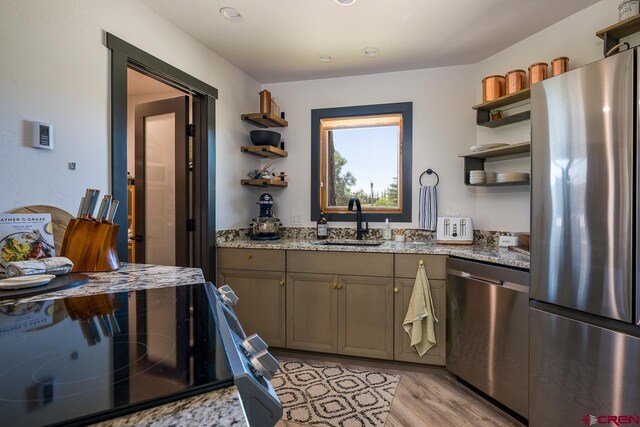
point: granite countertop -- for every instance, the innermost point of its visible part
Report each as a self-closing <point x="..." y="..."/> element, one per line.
<point x="217" y="408"/>
<point x="492" y="254"/>
<point x="129" y="277"/>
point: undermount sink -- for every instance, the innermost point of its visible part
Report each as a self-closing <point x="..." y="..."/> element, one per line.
<point x="349" y="243"/>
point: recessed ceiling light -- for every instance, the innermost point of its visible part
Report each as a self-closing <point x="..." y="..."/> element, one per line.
<point x="324" y="57"/>
<point x="231" y="14"/>
<point x="346" y="2"/>
<point x="371" y="52"/>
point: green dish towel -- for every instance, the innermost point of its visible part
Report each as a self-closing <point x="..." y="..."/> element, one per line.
<point x="420" y="320"/>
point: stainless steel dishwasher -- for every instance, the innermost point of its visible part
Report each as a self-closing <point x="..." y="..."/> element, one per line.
<point x="488" y="330"/>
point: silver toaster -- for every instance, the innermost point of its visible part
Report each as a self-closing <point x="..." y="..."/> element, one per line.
<point x="454" y="230"/>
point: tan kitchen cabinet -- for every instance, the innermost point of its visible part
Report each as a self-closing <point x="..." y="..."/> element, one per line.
<point x="365" y="316"/>
<point x="260" y="289"/>
<point x="406" y="267"/>
<point x="312" y="312"/>
<point x="339" y="313"/>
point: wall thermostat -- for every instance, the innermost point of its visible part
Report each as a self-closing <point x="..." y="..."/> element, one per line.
<point x="42" y="135"/>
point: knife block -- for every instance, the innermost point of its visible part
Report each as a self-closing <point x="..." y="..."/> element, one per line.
<point x="91" y="246"/>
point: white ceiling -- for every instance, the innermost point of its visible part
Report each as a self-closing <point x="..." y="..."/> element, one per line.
<point x="279" y="40"/>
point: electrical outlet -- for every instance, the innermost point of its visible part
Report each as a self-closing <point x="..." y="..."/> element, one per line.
<point x="505" y="241"/>
<point x="296" y="218"/>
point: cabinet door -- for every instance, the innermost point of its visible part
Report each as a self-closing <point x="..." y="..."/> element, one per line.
<point x="312" y="301"/>
<point x="261" y="307"/>
<point x="402" y="349"/>
<point x="365" y="316"/>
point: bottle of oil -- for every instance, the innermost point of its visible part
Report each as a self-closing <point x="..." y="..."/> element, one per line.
<point x="322" y="229"/>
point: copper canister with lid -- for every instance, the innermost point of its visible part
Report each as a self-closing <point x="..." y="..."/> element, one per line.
<point x="493" y="87"/>
<point x="516" y="80"/>
<point x="559" y="65"/>
<point x="537" y="72"/>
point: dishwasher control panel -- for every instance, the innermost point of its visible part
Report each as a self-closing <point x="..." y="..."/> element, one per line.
<point x="454" y="230"/>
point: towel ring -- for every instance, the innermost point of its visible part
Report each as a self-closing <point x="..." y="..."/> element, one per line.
<point x="429" y="172"/>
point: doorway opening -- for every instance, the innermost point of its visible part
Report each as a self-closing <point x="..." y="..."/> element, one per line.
<point x="159" y="172"/>
<point x="180" y="181"/>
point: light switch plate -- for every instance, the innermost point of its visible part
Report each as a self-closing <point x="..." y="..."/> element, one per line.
<point x="506" y="241"/>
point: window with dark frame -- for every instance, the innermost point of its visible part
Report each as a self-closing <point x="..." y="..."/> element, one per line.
<point x="362" y="152"/>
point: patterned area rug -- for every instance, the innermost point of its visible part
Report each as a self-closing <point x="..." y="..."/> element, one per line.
<point x="330" y="395"/>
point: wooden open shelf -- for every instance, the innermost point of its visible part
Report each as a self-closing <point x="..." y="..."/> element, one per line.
<point x="613" y="33"/>
<point x="483" y="111"/>
<point x="504" y="100"/>
<point x="523" y="148"/>
<point x="273" y="182"/>
<point x="265" y="120"/>
<point x="268" y="151"/>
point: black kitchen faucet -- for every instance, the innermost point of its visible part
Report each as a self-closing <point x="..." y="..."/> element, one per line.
<point x="359" y="217"/>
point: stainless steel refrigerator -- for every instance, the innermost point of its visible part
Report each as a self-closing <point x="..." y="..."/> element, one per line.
<point x="585" y="297"/>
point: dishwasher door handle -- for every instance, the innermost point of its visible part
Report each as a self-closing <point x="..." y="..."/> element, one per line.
<point x="466" y="275"/>
<point x="502" y="283"/>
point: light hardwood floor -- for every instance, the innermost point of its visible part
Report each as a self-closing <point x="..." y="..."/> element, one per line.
<point x="430" y="397"/>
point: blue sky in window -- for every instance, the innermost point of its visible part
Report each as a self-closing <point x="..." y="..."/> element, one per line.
<point x="371" y="154"/>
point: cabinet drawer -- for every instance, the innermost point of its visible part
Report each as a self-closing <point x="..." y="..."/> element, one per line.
<point x="251" y="259"/>
<point x="354" y="264"/>
<point x="407" y="266"/>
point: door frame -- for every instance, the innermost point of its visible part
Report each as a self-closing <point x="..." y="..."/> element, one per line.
<point x="123" y="57"/>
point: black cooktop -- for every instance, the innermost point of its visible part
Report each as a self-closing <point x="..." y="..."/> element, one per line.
<point x="83" y="359"/>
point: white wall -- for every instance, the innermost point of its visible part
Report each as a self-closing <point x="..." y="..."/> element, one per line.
<point x="444" y="124"/>
<point x="55" y="68"/>
<point x="443" y="127"/>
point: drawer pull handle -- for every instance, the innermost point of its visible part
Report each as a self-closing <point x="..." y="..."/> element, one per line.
<point x="396" y="290"/>
<point x="250" y="256"/>
<point x="281" y="282"/>
<point x="334" y="285"/>
<point x="339" y="285"/>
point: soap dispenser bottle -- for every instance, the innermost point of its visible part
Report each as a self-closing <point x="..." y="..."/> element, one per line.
<point x="322" y="229"/>
<point x="386" y="230"/>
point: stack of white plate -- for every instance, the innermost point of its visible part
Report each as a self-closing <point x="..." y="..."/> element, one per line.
<point x="483" y="147"/>
<point x="491" y="177"/>
<point x="512" y="177"/>
<point x="476" y="177"/>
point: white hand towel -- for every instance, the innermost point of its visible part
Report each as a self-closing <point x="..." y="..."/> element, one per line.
<point x="55" y="265"/>
<point x="428" y="208"/>
<point x="420" y="320"/>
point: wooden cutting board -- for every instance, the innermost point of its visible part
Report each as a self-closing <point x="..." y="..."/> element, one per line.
<point x="59" y="217"/>
<point x="521" y="250"/>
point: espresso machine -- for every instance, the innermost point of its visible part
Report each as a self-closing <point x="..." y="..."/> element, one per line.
<point x="266" y="226"/>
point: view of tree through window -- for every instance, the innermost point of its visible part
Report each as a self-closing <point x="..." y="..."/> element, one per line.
<point x="363" y="161"/>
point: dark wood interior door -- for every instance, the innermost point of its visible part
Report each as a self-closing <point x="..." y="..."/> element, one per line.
<point x="162" y="182"/>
